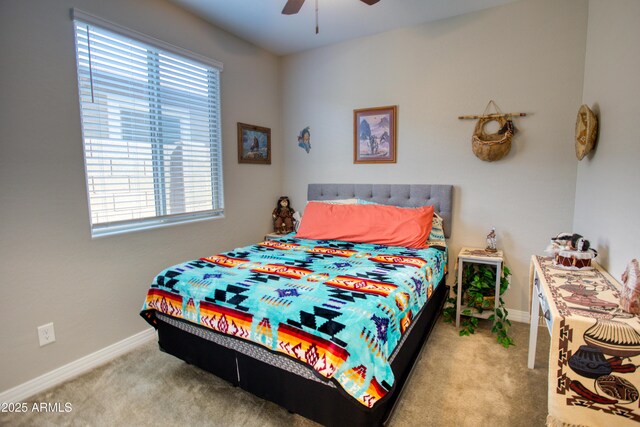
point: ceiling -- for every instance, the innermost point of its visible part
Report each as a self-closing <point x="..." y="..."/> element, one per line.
<point x="261" y="23"/>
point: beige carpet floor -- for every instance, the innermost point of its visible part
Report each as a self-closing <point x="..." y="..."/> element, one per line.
<point x="459" y="381"/>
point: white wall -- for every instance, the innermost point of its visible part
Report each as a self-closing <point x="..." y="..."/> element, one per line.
<point x="528" y="56"/>
<point x="607" y="203"/>
<point x="50" y="269"/>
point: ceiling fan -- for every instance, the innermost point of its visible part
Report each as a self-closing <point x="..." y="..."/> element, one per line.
<point x="293" y="6"/>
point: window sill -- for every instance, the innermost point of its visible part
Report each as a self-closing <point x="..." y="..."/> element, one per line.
<point x="149" y="225"/>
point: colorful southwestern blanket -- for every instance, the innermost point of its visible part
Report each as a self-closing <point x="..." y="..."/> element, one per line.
<point x="338" y="307"/>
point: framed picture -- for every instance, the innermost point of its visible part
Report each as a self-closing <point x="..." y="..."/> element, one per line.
<point x="254" y="144"/>
<point x="374" y="135"/>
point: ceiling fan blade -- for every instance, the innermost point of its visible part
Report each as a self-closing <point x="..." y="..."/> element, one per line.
<point x="370" y="2"/>
<point x="292" y="7"/>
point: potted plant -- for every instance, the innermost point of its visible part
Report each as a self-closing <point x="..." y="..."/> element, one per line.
<point x="478" y="292"/>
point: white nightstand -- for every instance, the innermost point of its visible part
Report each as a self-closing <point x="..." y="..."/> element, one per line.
<point x="478" y="256"/>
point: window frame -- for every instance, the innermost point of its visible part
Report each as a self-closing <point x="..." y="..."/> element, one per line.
<point x="161" y="219"/>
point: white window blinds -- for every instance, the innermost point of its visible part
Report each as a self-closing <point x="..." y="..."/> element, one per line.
<point x="151" y="130"/>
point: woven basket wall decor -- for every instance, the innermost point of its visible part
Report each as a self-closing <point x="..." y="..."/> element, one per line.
<point x="492" y="146"/>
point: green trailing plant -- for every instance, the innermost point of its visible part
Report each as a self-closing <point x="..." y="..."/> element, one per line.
<point x="478" y="292"/>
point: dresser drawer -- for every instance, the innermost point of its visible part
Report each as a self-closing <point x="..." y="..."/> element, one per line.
<point x="544" y="304"/>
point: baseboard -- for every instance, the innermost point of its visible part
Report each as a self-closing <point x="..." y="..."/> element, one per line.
<point x="524" y="317"/>
<point x="519" y="316"/>
<point x="77" y="367"/>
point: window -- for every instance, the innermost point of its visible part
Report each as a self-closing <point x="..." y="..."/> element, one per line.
<point x="151" y="129"/>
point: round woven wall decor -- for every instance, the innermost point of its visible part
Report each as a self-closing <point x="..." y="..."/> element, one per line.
<point x="586" y="131"/>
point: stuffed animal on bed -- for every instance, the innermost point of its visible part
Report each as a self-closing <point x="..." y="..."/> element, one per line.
<point x="283" y="216"/>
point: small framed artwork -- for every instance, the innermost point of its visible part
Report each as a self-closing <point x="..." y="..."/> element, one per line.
<point x="374" y="135"/>
<point x="254" y="144"/>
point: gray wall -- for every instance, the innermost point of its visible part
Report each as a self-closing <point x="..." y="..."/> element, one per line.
<point x="528" y="56"/>
<point x="607" y="202"/>
<point x="50" y="268"/>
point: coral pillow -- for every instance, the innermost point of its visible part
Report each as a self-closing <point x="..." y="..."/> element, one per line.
<point x="385" y="225"/>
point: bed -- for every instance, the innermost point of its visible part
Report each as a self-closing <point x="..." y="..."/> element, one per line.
<point x="328" y="329"/>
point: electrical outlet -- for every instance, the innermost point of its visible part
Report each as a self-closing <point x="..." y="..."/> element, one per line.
<point x="46" y="335"/>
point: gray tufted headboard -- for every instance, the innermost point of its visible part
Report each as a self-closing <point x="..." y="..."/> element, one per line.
<point x="409" y="195"/>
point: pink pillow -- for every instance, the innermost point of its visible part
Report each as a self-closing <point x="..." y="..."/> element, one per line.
<point x="385" y="225"/>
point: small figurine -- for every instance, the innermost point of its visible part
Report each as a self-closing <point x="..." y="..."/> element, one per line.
<point x="491" y="241"/>
<point x="283" y="216"/>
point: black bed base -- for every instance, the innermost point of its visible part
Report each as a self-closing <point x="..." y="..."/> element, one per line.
<point x="311" y="399"/>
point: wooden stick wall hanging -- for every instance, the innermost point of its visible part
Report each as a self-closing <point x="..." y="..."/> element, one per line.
<point x="492" y="146"/>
